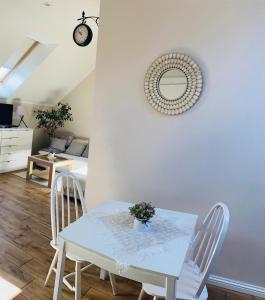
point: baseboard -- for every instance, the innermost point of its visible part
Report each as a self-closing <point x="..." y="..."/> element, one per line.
<point x="237" y="286"/>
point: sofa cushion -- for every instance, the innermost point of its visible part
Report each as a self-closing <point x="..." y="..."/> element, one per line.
<point x="68" y="138"/>
<point x="79" y="161"/>
<point x="76" y="148"/>
<point x="85" y="153"/>
<point x="58" y="144"/>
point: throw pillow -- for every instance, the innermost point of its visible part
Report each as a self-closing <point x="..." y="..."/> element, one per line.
<point x="75" y="148"/>
<point x="85" y="153"/>
<point x="58" y="144"/>
<point x="68" y="138"/>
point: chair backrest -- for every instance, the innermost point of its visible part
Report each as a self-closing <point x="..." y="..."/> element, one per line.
<point x="65" y="208"/>
<point x="208" y="241"/>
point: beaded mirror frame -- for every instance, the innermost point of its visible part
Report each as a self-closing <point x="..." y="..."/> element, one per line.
<point x="194" y="84"/>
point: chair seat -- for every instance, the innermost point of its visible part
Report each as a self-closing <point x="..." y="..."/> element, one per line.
<point x="70" y="256"/>
<point x="186" y="287"/>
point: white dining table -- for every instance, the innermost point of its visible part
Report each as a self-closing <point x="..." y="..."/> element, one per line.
<point x="105" y="237"/>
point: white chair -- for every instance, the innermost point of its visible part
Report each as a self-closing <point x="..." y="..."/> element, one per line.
<point x="63" y="212"/>
<point x="202" y="253"/>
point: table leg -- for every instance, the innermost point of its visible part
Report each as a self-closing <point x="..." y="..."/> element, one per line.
<point x="171" y="288"/>
<point x="113" y="284"/>
<point x="103" y="274"/>
<point x="60" y="272"/>
<point x="51" y="176"/>
<point x="29" y="169"/>
<point x="77" y="281"/>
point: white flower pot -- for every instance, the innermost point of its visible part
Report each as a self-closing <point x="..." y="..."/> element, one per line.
<point x="141" y="227"/>
<point x="51" y="156"/>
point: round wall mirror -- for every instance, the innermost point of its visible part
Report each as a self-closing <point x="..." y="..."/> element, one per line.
<point x="173" y="84"/>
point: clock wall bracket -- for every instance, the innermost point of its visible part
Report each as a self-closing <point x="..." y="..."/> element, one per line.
<point x="84" y="18"/>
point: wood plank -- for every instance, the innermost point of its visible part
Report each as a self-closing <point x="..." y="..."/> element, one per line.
<point x="238" y="296"/>
<point x="216" y="293"/>
<point x="44" y="174"/>
<point x="36" y="291"/>
<point x="14" y="275"/>
<point x="36" y="269"/>
<point x="11" y="253"/>
<point x="20" y="297"/>
<point x="94" y="294"/>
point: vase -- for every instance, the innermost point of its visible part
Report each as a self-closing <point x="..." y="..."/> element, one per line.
<point x="140" y="227"/>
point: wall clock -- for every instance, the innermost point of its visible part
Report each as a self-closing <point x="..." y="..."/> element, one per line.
<point x="83" y="34"/>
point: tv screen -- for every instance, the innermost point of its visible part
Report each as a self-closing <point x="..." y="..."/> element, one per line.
<point x="6" y="114"/>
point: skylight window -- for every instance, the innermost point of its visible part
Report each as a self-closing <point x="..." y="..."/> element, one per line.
<point x="21" y="64"/>
<point x="15" y="61"/>
<point x="3" y="72"/>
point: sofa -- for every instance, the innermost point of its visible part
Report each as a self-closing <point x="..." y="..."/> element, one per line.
<point x="74" y="148"/>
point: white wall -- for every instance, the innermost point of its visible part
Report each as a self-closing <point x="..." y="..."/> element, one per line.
<point x="215" y="151"/>
<point x="79" y="99"/>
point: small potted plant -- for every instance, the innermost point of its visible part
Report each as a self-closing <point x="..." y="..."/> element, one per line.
<point x="142" y="212"/>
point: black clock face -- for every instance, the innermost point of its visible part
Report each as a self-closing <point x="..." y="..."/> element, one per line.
<point x="82" y="35"/>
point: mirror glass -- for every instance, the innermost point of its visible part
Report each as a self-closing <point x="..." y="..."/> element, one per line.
<point x="173" y="84"/>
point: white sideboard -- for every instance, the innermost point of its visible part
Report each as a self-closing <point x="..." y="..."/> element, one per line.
<point x="15" y="147"/>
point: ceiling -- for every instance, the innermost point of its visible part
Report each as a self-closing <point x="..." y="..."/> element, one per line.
<point x="67" y="65"/>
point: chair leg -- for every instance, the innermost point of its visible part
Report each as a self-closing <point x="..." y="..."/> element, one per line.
<point x="113" y="284"/>
<point x="57" y="291"/>
<point x="142" y="294"/>
<point x="77" y="281"/>
<point x="54" y="261"/>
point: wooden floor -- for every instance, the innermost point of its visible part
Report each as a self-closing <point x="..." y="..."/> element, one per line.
<point x="25" y="252"/>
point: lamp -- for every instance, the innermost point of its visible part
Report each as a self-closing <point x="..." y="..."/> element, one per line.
<point x="20" y="111"/>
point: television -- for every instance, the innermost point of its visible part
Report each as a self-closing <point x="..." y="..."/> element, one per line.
<point x="6" y="115"/>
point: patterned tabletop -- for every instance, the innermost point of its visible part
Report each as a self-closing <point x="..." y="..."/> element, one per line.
<point x="108" y="230"/>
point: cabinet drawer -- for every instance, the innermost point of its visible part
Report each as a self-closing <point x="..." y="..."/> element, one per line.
<point x="14" y="148"/>
<point x="5" y="166"/>
<point x="15" y="133"/>
<point x="12" y="165"/>
<point x="10" y="134"/>
<point x="13" y="141"/>
<point x="21" y="156"/>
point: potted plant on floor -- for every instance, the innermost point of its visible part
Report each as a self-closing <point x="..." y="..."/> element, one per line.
<point x="142" y="212"/>
<point x="54" y="118"/>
